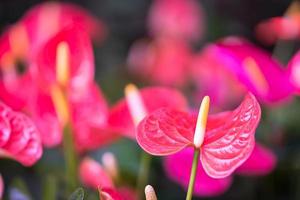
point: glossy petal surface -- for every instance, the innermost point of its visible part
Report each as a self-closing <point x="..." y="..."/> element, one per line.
<point x="262" y="161"/>
<point x="166" y="131"/>
<point x="229" y="144"/>
<point x="153" y="98"/>
<point x="178" y="168"/>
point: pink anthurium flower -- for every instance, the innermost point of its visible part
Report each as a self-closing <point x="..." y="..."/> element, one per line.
<point x="179" y="19"/>
<point x="279" y="28"/>
<point x="163" y="60"/>
<point x="96" y="176"/>
<point x="80" y="59"/>
<point x="261" y="162"/>
<point x="246" y="66"/>
<point x="19" y="138"/>
<point x="227" y="142"/>
<point x="67" y="92"/>
<point x="47" y="19"/>
<point x="15" y="81"/>
<point x="294" y="71"/>
<point x="93" y="175"/>
<point x="120" y="118"/>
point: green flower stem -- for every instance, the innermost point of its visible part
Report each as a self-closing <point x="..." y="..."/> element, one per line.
<point x="143" y="173"/>
<point x="49" y="187"/>
<point x="189" y="194"/>
<point x="71" y="160"/>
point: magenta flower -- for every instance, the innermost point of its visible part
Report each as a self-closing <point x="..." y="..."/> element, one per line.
<point x="294" y="71"/>
<point x="163" y="60"/>
<point x="178" y="168"/>
<point x="19" y="138"/>
<point x="177" y="19"/>
<point x="261" y="162"/>
<point x="244" y="65"/>
<point x="120" y="118"/>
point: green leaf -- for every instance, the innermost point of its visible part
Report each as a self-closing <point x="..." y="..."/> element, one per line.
<point x="78" y="194"/>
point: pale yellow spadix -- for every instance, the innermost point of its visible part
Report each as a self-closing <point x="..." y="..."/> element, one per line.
<point x="60" y="104"/>
<point x="150" y="193"/>
<point x="135" y="103"/>
<point x="201" y="122"/>
<point x="62" y="63"/>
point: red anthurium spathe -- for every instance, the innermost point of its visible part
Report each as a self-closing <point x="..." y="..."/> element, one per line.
<point x="249" y="66"/>
<point x="109" y="194"/>
<point x="163" y="60"/>
<point x="294" y="71"/>
<point x="178" y="167"/>
<point x="19" y="138"/>
<point x="179" y="19"/>
<point x="227" y="142"/>
<point x="261" y="162"/>
<point x="153" y="98"/>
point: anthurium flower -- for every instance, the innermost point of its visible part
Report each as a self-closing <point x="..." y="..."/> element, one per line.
<point x="93" y="175"/>
<point x="248" y="66"/>
<point x="80" y="60"/>
<point x="179" y="19"/>
<point x="19" y="138"/>
<point x="15" y="81"/>
<point x="47" y="19"/>
<point x="120" y="118"/>
<point x="279" y="28"/>
<point x="224" y="144"/>
<point x="96" y="176"/>
<point x="163" y="60"/>
<point x="261" y="162"/>
<point x="294" y="71"/>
